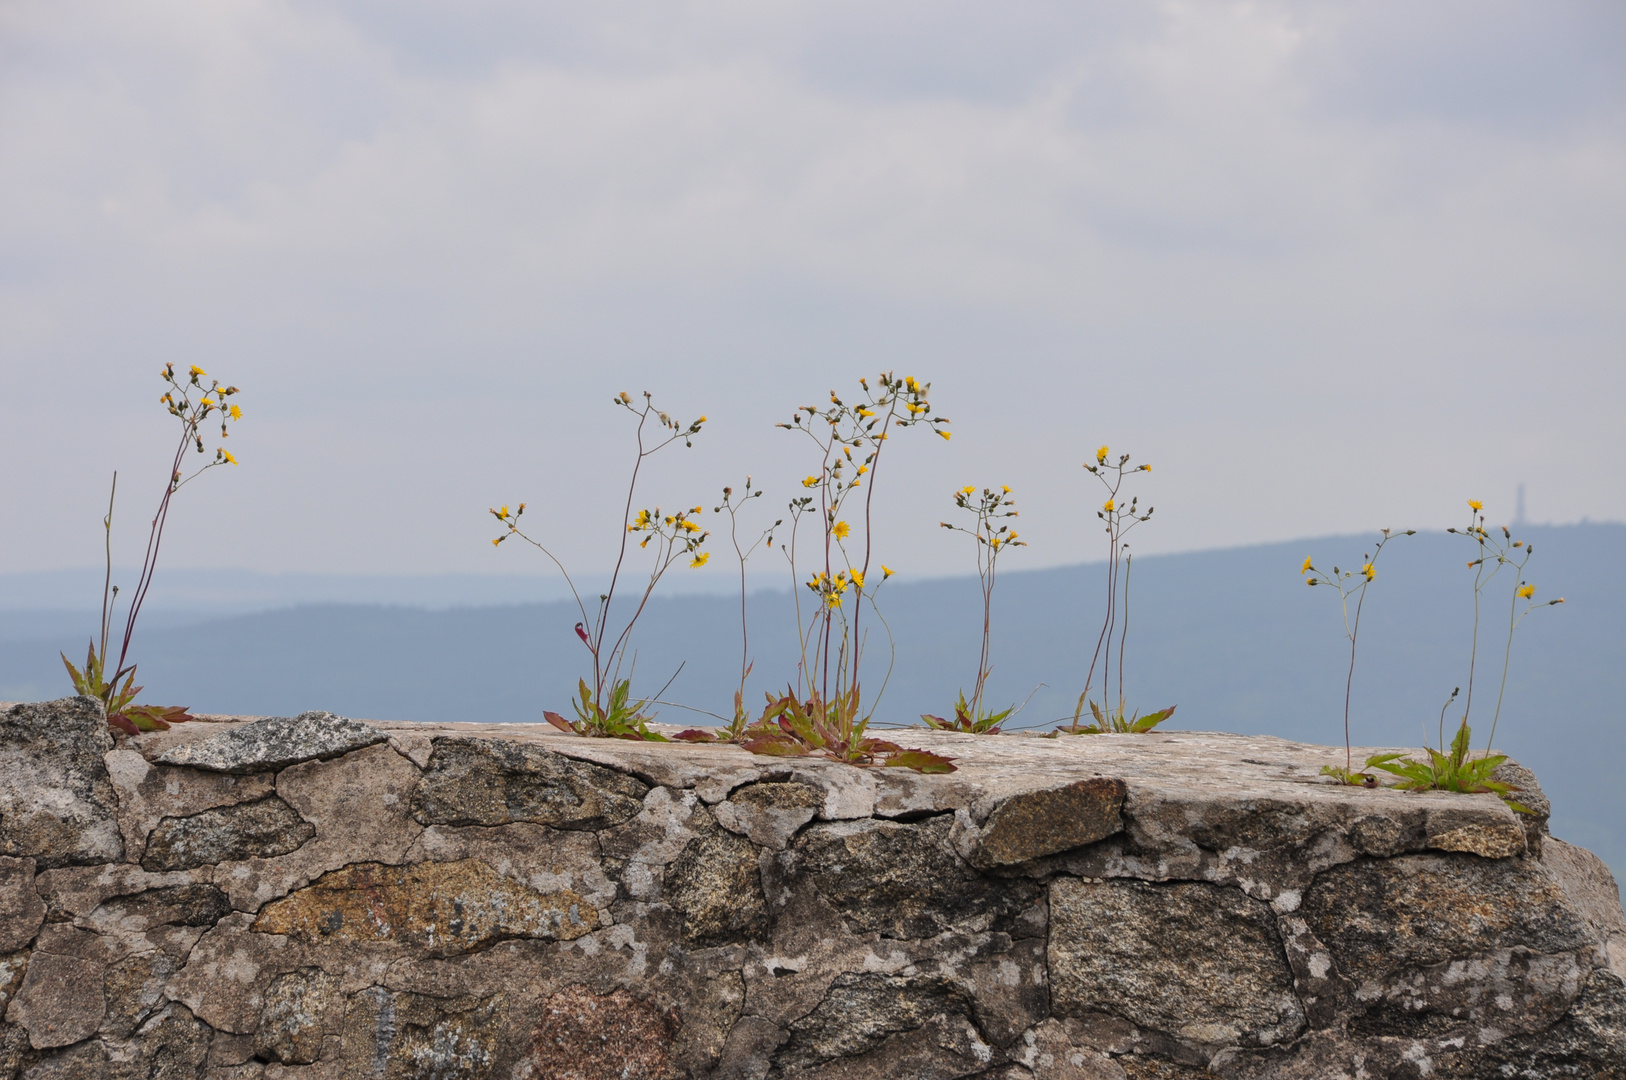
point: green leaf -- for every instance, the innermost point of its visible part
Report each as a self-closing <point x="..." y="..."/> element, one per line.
<point x="922" y="761"/>
<point x="78" y="679"/>
<point x="1151" y="720"/>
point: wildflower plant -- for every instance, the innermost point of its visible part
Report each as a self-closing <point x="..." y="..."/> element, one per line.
<point x="1350" y="584"/>
<point x="193" y="405"/>
<point x="993" y="535"/>
<point x="605" y="708"/>
<point x="1457" y="769"/>
<point x="824" y="712"/>
<point x="1118" y="520"/>
<point x="1493" y="555"/>
<point x="1454" y="770"/>
<point x="731" y="505"/>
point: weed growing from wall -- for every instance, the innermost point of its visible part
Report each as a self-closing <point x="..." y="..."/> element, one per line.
<point x="605" y="708"/>
<point x="191" y="403"/>
<point x="1350" y="584"/>
<point x="824" y="712"/>
<point x="993" y="535"/>
<point x="1118" y="520"/>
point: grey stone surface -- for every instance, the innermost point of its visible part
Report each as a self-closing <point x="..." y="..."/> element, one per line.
<point x="61" y="1000"/>
<point x="301" y="1009"/>
<point x="57" y="804"/>
<point x="717" y="887"/>
<point x="274" y="743"/>
<point x="148" y="793"/>
<point x="251" y="830"/>
<point x="503" y="901"/>
<point x="769" y="814"/>
<point x="21" y="909"/>
<point x="485" y="782"/>
<point x="1201" y="962"/>
<point x="902" y="880"/>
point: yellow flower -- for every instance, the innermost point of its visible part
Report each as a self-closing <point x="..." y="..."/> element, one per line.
<point x="945" y="435"/>
<point x="967" y="490"/>
<point x="642" y="521"/>
<point x="995" y="542"/>
<point x="1370" y="571"/>
<point x="227" y="455"/>
<point x="1526" y="592"/>
<point x="1475" y="505"/>
<point x="885" y="573"/>
<point x="702" y="420"/>
<point x="196" y="371"/>
<point x="497" y="541"/>
<point x="834" y="599"/>
<point x="909" y="382"/>
<point x="840" y="530"/>
<point x="690" y="526"/>
<point x="1305" y="569"/>
<point x="503" y="513"/>
<point x="1145" y="468"/>
<point x="913" y="407"/>
<point x="236" y="413"/>
<point x="700" y="559"/>
<point x="865" y="412"/>
<point x="811" y="481"/>
<point x="858" y="578"/>
<point x="1109" y="506"/>
<point x="1005" y="489"/>
<point x="1101" y="456"/>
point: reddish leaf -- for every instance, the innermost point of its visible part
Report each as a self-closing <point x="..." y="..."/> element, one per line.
<point x="879" y="746"/>
<point x="117" y="720"/>
<point x="775" y="745"/>
<point x="695" y="735"/>
<point x="558" y="721"/>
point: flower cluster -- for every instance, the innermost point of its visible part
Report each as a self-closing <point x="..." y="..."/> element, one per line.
<point x="851" y="436"/>
<point x="192" y="414"/>
<point x="993" y="535"/>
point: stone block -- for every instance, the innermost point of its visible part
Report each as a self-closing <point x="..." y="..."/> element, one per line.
<point x="274" y="743"/>
<point x="57" y="804"/>
<point x="438" y="908"/>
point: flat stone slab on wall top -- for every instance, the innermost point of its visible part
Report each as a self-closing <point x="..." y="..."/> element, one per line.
<point x="273" y="743"/>
<point x="1260" y="775"/>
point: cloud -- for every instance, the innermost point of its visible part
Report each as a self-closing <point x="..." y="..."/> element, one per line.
<point x="1325" y="265"/>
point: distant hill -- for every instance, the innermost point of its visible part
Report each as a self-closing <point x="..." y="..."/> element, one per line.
<point x="1232" y="637"/>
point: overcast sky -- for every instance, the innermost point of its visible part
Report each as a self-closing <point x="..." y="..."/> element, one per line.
<point x="1327" y="266"/>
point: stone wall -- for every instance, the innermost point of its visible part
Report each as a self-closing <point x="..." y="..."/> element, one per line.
<point x="320" y="898"/>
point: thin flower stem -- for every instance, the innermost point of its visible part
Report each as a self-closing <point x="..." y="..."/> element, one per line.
<point x="1123" y="636"/>
<point x="107" y="582"/>
<point x="149" y="561"/>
